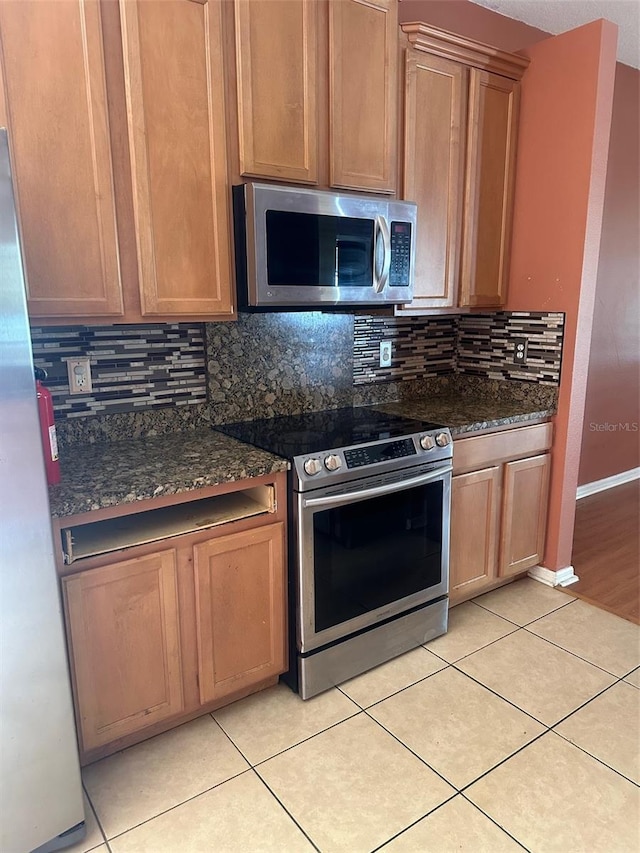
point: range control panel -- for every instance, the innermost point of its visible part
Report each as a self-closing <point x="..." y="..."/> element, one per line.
<point x="371" y="453"/>
<point x="318" y="469"/>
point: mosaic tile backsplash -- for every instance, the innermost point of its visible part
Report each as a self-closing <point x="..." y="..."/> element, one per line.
<point x="475" y="344"/>
<point x="132" y="367"/>
<point x="160" y="378"/>
<point x="485" y="345"/>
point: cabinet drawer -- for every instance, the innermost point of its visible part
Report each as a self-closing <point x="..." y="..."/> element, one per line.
<point x="483" y="451"/>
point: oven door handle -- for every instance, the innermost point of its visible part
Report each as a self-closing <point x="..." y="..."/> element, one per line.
<point x="376" y="491"/>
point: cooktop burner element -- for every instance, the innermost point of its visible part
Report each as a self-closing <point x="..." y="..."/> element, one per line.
<point x="312" y="432"/>
<point x="336" y="445"/>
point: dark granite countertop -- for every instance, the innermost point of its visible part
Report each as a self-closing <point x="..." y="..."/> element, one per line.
<point x="107" y="474"/>
<point x="469" y="414"/>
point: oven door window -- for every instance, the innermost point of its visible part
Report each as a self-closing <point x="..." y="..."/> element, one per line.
<point x="375" y="552"/>
<point x="309" y="250"/>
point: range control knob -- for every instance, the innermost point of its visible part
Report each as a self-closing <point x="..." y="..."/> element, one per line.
<point x="427" y="442"/>
<point x="312" y="466"/>
<point x="442" y="439"/>
<point x="332" y="462"/>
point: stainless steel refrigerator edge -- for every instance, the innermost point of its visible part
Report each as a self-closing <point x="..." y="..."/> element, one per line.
<point x="40" y="786"/>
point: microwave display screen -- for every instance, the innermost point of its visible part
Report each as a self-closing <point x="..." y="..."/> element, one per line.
<point x="307" y="250"/>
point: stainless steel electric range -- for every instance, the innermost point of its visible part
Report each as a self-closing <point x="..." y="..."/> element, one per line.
<point x="369" y="501"/>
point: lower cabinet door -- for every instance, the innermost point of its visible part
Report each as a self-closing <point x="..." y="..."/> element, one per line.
<point x="524" y="514"/>
<point x="240" y="594"/>
<point x="475" y="515"/>
<point x="124" y="643"/>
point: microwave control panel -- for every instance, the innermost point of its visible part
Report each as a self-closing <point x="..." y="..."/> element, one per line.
<point x="400" y="270"/>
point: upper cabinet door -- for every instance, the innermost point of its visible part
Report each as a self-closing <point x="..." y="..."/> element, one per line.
<point x="53" y="68"/>
<point x="433" y="170"/>
<point x="363" y="94"/>
<point x="491" y="152"/>
<point x="174" y="89"/>
<point x="276" y="58"/>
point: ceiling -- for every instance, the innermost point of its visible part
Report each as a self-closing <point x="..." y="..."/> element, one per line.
<point x="557" y="16"/>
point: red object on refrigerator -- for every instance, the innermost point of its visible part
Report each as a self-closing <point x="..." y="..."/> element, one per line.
<point x="47" y="429"/>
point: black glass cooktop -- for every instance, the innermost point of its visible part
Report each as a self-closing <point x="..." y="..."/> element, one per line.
<point x="312" y="432"/>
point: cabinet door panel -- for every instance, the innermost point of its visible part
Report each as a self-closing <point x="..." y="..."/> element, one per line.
<point x="475" y="515"/>
<point x="491" y="151"/>
<point x="524" y="514"/>
<point x="435" y="110"/>
<point x="240" y="610"/>
<point x="276" y="49"/>
<point x="53" y="67"/>
<point x="174" y="89"/>
<point x="363" y="94"/>
<point x="125" y="648"/>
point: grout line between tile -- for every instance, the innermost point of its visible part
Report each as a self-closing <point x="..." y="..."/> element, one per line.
<point x="426" y="814"/>
<point x="177" y="805"/>
<point x="495" y="822"/>
<point x="95" y="814"/>
<point x="595" y="757"/>
<point x="402" y="689"/>
<point x="408" y="748"/>
<point x="506" y="618"/>
<point x="504" y="699"/>
<point x="503" y="760"/>
<point x="486" y="646"/>
<point x="315" y="734"/>
<point x="569" y="652"/>
<point x="229" y="738"/>
<point x="279" y="801"/>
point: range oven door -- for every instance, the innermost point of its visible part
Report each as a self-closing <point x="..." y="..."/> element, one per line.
<point x="369" y="550"/>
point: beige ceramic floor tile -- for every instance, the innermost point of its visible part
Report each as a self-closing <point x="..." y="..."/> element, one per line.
<point x="240" y="816"/>
<point x="595" y="635"/>
<point x="354" y="786"/>
<point x="554" y="798"/>
<point x="523" y="601"/>
<point x="384" y="680"/>
<point x="456" y="827"/>
<point x="144" y="780"/>
<point x="470" y="628"/>
<point x="94" y="836"/>
<point x="633" y="678"/>
<point x="609" y="729"/>
<point x="266" y="723"/>
<point x="544" y="681"/>
<point x="458" y="727"/>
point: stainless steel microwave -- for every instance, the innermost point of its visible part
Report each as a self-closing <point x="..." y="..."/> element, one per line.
<point x="302" y="248"/>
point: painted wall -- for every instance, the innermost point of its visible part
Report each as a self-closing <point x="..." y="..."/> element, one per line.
<point x="565" y="120"/>
<point x="611" y="442"/>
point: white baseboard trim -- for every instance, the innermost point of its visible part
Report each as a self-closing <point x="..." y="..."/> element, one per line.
<point x="563" y="577"/>
<point x="607" y="483"/>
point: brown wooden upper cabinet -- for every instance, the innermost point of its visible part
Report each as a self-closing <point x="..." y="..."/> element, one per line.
<point x="117" y="128"/>
<point x="316" y="84"/>
<point x="460" y="133"/>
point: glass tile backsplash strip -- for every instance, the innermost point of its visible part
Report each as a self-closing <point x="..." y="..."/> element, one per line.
<point x="132" y="367"/>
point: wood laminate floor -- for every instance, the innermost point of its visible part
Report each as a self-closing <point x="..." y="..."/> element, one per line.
<point x="606" y="554"/>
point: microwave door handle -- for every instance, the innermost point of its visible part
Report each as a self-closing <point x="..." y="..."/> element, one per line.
<point x="383" y="242"/>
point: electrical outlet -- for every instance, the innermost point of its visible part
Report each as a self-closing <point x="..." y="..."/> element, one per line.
<point x="520" y="350"/>
<point x="385" y="353"/>
<point x="79" y="370"/>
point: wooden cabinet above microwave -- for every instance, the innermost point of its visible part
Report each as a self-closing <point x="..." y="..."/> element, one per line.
<point x="316" y="92"/>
